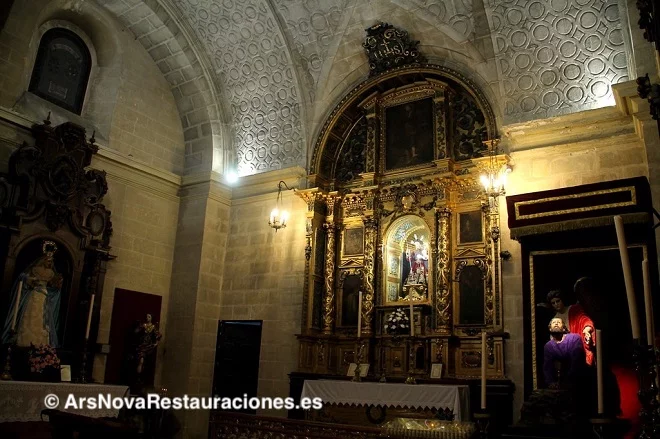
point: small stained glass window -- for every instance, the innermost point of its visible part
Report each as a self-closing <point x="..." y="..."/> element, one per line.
<point x="62" y="69"/>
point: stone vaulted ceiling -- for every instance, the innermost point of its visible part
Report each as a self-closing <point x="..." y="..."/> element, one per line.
<point x="275" y="62"/>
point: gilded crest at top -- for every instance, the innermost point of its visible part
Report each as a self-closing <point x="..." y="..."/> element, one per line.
<point x="388" y="47"/>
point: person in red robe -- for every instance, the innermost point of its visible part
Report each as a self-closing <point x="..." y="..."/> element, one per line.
<point x="577" y="321"/>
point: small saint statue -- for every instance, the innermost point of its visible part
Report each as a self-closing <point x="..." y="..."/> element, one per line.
<point x="148" y="338"/>
<point x="142" y="343"/>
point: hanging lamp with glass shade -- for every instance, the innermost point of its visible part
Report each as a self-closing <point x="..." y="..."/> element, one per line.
<point x="278" y="216"/>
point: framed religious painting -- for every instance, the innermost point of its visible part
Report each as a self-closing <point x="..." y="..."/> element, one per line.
<point x="353" y="242"/>
<point x="470" y="227"/>
<point x="349" y="283"/>
<point x="470" y="278"/>
<point x="409" y="134"/>
<point x="573" y="293"/>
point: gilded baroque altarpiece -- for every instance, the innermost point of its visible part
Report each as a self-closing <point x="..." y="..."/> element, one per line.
<point x="396" y="216"/>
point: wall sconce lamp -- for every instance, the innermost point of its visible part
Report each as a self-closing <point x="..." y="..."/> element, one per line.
<point x="494" y="175"/>
<point x="279" y="217"/>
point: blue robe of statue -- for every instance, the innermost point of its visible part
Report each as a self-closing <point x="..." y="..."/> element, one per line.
<point x="37" y="321"/>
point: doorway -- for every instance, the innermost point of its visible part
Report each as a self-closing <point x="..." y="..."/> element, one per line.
<point x="236" y="371"/>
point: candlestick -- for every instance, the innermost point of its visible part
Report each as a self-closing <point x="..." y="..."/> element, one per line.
<point x="599" y="371"/>
<point x="412" y="319"/>
<point x="484" y="356"/>
<point x="89" y="317"/>
<point x="627" y="276"/>
<point x="359" y="328"/>
<point x="16" y="305"/>
<point x="648" y="305"/>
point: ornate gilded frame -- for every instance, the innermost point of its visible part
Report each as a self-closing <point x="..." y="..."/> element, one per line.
<point x="383" y="272"/>
<point x="431" y="89"/>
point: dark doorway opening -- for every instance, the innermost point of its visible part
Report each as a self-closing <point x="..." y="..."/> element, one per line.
<point x="236" y="371"/>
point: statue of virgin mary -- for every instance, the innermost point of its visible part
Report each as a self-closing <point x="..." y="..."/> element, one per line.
<point x="37" y="319"/>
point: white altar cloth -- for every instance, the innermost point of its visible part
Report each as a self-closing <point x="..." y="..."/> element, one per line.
<point x="22" y="401"/>
<point x="434" y="396"/>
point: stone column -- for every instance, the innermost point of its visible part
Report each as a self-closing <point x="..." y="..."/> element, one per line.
<point x="196" y="296"/>
<point x="442" y="285"/>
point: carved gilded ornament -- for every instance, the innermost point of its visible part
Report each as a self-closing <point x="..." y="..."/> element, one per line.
<point x="443" y="271"/>
<point x="371" y="235"/>
<point x="388" y="47"/>
<point x="311" y="197"/>
<point x="353" y="102"/>
<point x="329" y="299"/>
<point x="353" y="205"/>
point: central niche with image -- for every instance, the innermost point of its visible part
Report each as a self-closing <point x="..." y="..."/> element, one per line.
<point x="408" y="266"/>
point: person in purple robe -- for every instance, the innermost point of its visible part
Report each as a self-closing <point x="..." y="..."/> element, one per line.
<point x="563" y="356"/>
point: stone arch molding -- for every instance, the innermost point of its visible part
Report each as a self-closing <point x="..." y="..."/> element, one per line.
<point x="250" y="57"/>
<point x="157" y="25"/>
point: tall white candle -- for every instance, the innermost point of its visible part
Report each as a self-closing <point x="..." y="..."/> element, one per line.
<point x="648" y="304"/>
<point x="412" y="320"/>
<point x="492" y="272"/>
<point x="627" y="276"/>
<point x="599" y="371"/>
<point x="16" y="305"/>
<point x="359" y="328"/>
<point x="484" y="359"/>
<point x="89" y="317"/>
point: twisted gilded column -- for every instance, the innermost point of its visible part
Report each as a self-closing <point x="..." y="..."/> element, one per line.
<point x="370" y="236"/>
<point x="443" y="272"/>
<point x="329" y="299"/>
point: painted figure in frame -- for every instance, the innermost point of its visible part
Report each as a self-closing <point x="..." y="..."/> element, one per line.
<point x="36" y="292"/>
<point x="409" y="136"/>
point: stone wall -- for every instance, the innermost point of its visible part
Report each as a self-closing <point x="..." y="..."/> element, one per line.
<point x="264" y="274"/>
<point x="144" y="218"/>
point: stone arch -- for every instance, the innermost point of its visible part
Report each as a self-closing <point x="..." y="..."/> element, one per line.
<point x="181" y="59"/>
<point x="339" y="123"/>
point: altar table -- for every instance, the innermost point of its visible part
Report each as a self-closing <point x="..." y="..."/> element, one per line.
<point x="414" y="396"/>
<point x="22" y="401"/>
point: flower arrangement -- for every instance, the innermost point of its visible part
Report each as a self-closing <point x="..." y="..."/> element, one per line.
<point x="43" y="357"/>
<point x="398" y="322"/>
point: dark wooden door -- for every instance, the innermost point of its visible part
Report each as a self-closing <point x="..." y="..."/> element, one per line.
<point x="236" y="371"/>
<point x="130" y="307"/>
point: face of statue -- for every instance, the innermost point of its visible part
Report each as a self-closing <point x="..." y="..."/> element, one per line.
<point x="557" y="304"/>
<point x="148" y="318"/>
<point x="556" y="325"/>
<point x="48" y="262"/>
